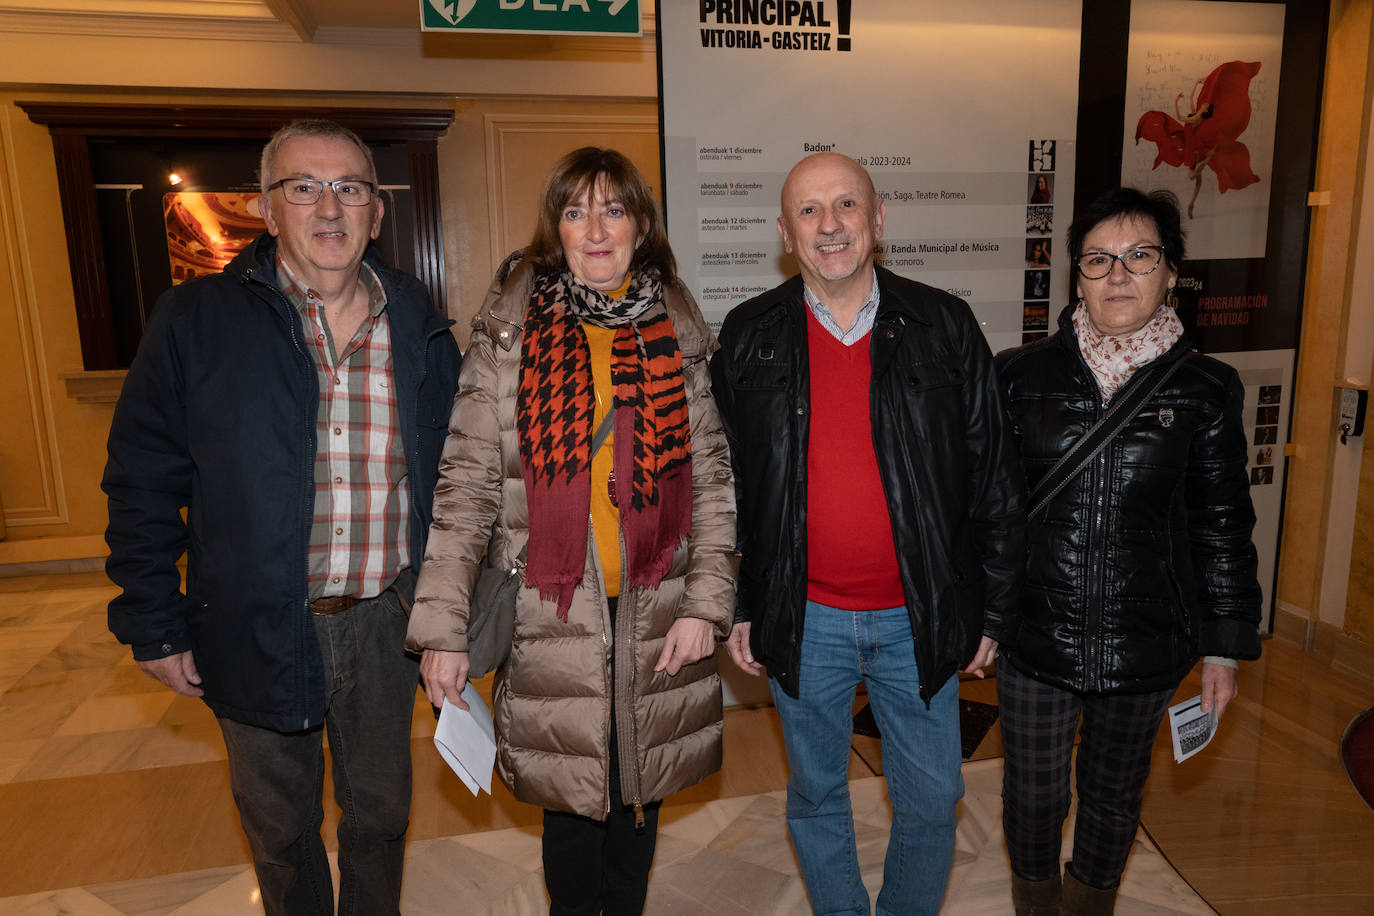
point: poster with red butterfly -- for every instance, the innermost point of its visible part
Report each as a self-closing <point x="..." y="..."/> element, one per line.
<point x="1201" y="106"/>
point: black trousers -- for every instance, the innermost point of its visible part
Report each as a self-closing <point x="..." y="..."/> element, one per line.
<point x="593" y="867"/>
<point x="1038" y="726"/>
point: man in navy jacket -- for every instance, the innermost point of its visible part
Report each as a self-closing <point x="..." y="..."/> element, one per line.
<point x="294" y="407"/>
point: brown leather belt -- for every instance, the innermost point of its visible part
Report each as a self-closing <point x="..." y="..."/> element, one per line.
<point x="325" y="606"/>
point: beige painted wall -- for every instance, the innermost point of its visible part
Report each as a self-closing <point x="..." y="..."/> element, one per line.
<point x="1359" y="617"/>
<point x="68" y="51"/>
<point x="47" y="443"/>
<point x="493" y="165"/>
<point x="1316" y="545"/>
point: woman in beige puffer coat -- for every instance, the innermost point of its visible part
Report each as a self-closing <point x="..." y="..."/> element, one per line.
<point x="582" y="669"/>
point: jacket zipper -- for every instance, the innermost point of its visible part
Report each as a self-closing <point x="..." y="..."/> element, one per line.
<point x="1096" y="549"/>
<point x="1094" y="660"/>
<point x="412" y="468"/>
<point x="249" y="275"/>
<point x="800" y="409"/>
<point x="1094" y="608"/>
<point x="629" y="763"/>
<point x="606" y="644"/>
<point x="925" y="661"/>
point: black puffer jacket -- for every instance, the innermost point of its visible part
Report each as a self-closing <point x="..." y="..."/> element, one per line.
<point x="1144" y="562"/>
<point x="947" y="465"/>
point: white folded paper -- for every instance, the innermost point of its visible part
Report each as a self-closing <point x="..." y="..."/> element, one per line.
<point x="1190" y="727"/>
<point x="466" y="739"/>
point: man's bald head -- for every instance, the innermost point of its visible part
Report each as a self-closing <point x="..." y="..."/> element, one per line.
<point x="807" y="166"/>
<point x="830" y="219"/>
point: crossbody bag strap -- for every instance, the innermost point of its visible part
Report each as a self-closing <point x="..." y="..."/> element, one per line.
<point x="598" y="440"/>
<point x="1082" y="452"/>
<point x="602" y="431"/>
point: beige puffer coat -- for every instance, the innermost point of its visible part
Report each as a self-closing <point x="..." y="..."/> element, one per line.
<point x="553" y="696"/>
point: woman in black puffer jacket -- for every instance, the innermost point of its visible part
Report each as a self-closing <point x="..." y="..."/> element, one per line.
<point x="1140" y="565"/>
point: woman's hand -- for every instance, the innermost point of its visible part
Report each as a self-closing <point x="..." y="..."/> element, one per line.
<point x="738" y="646"/>
<point x="689" y="639"/>
<point x="1218" y="687"/>
<point x="987" y="654"/>
<point x="444" y="674"/>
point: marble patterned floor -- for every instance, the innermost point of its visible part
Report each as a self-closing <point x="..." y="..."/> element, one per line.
<point x="114" y="798"/>
<point x="724" y="858"/>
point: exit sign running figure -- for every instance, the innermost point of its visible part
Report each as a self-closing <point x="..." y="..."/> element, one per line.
<point x="537" y="17"/>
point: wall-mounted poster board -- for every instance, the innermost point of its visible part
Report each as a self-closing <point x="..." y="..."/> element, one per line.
<point x="985" y="124"/>
<point x="963" y="113"/>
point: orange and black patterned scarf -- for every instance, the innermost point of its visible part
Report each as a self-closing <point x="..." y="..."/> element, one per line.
<point x="554" y="426"/>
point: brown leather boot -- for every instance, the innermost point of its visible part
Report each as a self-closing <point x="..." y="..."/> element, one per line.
<point x="1083" y="900"/>
<point x="1035" y="898"/>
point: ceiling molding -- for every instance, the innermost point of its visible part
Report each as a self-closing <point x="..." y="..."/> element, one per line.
<point x="280" y="20"/>
<point x="368" y="38"/>
<point x="296" y="14"/>
<point x="494" y="45"/>
<point x="116" y="119"/>
<point x="172" y="9"/>
<point x="145" y="25"/>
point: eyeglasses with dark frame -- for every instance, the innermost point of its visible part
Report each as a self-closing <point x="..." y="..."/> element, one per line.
<point x="1140" y="260"/>
<point x="351" y="192"/>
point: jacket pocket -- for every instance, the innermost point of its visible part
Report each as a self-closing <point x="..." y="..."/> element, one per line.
<point x="933" y="374"/>
<point x="432" y="412"/>
<point x="926" y="401"/>
<point x="765" y="366"/>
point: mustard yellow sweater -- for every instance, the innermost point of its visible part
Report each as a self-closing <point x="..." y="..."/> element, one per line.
<point x="605" y="516"/>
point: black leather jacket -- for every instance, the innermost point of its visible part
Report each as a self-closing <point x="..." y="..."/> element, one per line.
<point x="1143" y="562"/>
<point x="947" y="464"/>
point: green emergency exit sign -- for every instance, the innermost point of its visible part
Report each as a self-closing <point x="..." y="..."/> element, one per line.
<point x="539" y="17"/>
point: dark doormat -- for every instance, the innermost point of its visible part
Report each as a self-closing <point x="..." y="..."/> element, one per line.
<point x="1357" y="753"/>
<point x="975" y="720"/>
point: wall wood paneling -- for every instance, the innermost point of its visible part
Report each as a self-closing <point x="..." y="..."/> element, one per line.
<point x="522" y="148"/>
<point x="31" y="489"/>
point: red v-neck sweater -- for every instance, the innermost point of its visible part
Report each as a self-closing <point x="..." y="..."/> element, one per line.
<point x="850" y="558"/>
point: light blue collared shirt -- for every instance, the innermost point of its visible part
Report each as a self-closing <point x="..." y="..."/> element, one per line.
<point x="863" y="322"/>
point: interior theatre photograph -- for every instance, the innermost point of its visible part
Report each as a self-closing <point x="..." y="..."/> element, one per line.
<point x="955" y="416"/>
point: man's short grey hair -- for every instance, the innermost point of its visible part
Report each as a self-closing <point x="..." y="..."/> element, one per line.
<point x="309" y="128"/>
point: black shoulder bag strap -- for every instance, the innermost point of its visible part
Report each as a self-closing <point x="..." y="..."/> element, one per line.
<point x="598" y="440"/>
<point x="1095" y="439"/>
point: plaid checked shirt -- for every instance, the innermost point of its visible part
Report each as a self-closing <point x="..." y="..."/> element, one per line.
<point x="359" y="541"/>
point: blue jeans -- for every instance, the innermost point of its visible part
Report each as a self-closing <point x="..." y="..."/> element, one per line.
<point x="278" y="778"/>
<point x="921" y="760"/>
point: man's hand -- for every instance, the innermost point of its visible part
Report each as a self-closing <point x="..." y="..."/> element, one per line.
<point x="176" y="671"/>
<point x="738" y="647"/>
<point x="689" y="639"/>
<point x="987" y="654"/>
<point x="444" y="674"/>
<point x="1218" y="687"/>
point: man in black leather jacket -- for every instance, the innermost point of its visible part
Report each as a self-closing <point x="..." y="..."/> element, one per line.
<point x="881" y="528"/>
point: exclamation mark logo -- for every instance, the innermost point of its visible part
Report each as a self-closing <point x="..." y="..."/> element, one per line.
<point x="842" y="43"/>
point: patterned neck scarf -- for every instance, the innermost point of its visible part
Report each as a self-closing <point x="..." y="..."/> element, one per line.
<point x="1113" y="360"/>
<point x="652" y="448"/>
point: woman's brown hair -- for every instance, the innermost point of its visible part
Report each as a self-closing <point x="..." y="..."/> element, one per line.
<point x="582" y="170"/>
